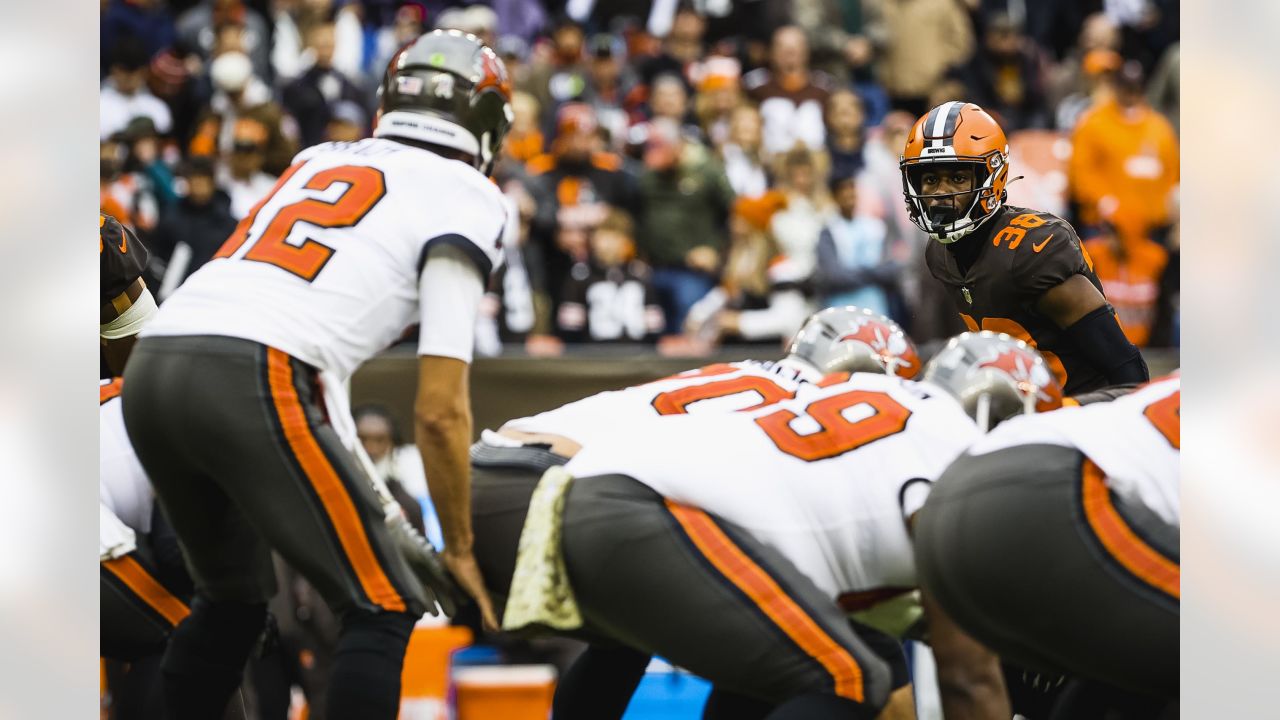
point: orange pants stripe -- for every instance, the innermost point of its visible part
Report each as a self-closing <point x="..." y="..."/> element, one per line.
<point x="1121" y="542"/>
<point x="146" y="587"/>
<point x="752" y="580"/>
<point x="328" y="485"/>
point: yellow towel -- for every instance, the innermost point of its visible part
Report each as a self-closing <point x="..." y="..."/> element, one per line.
<point x="540" y="591"/>
<point x="899" y="616"/>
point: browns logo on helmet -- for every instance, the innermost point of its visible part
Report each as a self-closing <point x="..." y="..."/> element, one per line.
<point x="954" y="134"/>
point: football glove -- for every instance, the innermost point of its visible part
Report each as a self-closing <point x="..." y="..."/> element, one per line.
<point x="437" y="586"/>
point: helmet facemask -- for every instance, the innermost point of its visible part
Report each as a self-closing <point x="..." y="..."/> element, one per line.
<point x="949" y="216"/>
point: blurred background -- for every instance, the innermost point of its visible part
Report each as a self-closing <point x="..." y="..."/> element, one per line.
<point x="686" y="181"/>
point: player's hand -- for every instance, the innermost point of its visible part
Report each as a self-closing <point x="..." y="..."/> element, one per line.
<point x="465" y="570"/>
<point x="417" y="551"/>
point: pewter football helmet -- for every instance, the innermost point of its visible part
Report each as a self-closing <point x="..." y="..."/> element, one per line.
<point x="854" y="339"/>
<point x="994" y="376"/>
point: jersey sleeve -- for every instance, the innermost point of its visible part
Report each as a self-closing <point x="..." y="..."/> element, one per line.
<point x="474" y="223"/>
<point x="1047" y="256"/>
<point x="122" y="257"/>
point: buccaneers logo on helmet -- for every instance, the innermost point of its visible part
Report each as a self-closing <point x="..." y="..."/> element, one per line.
<point x="889" y="344"/>
<point x="1031" y="376"/>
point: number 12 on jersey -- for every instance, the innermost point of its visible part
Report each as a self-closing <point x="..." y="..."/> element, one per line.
<point x="365" y="186"/>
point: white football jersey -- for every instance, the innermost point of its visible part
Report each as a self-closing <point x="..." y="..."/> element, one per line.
<point x="123" y="488"/>
<point x="326" y="268"/>
<point x="719" y="388"/>
<point x="1134" y="440"/>
<point x="820" y="478"/>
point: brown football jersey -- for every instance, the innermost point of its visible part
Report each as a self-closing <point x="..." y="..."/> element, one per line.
<point x="1016" y="256"/>
<point x="121" y="256"/>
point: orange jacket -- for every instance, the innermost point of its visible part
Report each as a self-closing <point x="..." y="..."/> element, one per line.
<point x="1132" y="285"/>
<point x="1132" y="158"/>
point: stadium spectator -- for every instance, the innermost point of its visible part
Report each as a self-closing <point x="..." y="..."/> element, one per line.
<point x="525" y="140"/>
<point x="348" y="122"/>
<point x="239" y="93"/>
<point x="609" y="79"/>
<point x="124" y="194"/>
<point x="409" y="22"/>
<point x="148" y="21"/>
<point x="1131" y="267"/>
<point x="240" y="175"/>
<point x="668" y="101"/>
<point x="311" y="97"/>
<point x="124" y="94"/>
<point x="572" y="185"/>
<point x="610" y="297"/>
<point x="1097" y="69"/>
<point x="719" y="96"/>
<point x="684" y="197"/>
<point x="199" y="27"/>
<point x="147" y="164"/>
<point x="854" y="266"/>
<point x="803" y="179"/>
<point x="845" y="133"/>
<point x="1005" y="76"/>
<point x="917" y="41"/>
<point x="1072" y="76"/>
<point x="760" y="297"/>
<point x="682" y="47"/>
<point x="558" y="72"/>
<point x="1125" y="154"/>
<point x="517" y="308"/>
<point x="791" y="97"/>
<point x="189" y="235"/>
<point x="744" y="163"/>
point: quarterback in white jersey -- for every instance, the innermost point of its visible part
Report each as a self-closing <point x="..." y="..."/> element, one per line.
<point x="340" y="259"/>
<point x="1071" y="515"/>
<point x="225" y="393"/>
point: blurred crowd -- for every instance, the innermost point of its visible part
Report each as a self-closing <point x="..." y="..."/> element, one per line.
<point x="679" y="174"/>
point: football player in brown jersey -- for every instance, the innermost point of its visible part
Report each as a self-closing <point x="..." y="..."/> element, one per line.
<point x="125" y="303"/>
<point x="1009" y="269"/>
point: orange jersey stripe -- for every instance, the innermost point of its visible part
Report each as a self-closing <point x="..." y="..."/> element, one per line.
<point x="137" y="579"/>
<point x="770" y="598"/>
<point x="1119" y="540"/>
<point x="328" y="486"/>
<point x="110" y="390"/>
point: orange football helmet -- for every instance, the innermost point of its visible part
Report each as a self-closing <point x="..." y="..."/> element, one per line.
<point x="955" y="132"/>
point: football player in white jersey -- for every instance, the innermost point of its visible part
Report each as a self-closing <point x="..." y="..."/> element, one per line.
<point x="225" y="394"/>
<point x="507" y="464"/>
<point x="144" y="588"/>
<point x="1055" y="541"/>
<point x="727" y="543"/>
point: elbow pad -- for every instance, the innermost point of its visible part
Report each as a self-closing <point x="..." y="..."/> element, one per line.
<point x="1099" y="337"/>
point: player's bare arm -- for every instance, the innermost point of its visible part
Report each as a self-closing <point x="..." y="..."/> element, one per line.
<point x="1067" y="303"/>
<point x="117" y="349"/>
<point x="969" y="677"/>
<point x="442" y="430"/>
